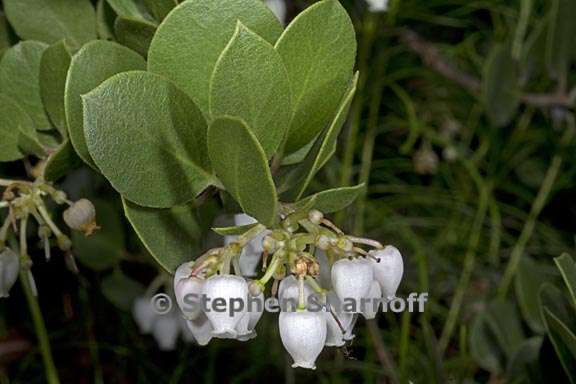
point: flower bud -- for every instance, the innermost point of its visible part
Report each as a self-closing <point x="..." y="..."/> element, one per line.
<point x="315" y="216"/>
<point x="81" y="216"/>
<point x="323" y="242"/>
<point x="313" y="268"/>
<point x="388" y="269"/>
<point x="188" y="293"/>
<point x="9" y="269"/>
<point x="303" y="334"/>
<point x="373" y="305"/>
<point x="232" y="292"/>
<point x="255" y="288"/>
<point x="352" y="280"/>
<point x="165" y="331"/>
<point x="201" y="328"/>
<point x="144" y="314"/>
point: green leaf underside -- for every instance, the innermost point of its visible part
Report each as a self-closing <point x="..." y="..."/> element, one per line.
<point x="94" y="63"/>
<point x="4" y="34"/>
<point x="192" y="37"/>
<point x="319" y="50"/>
<point x="500" y="88"/>
<point x="234" y="231"/>
<point x="134" y="33"/>
<point x="299" y="179"/>
<point x="121" y="290"/>
<point x="126" y="8"/>
<point x="19" y="137"/>
<point x="564" y="341"/>
<point x="241" y="165"/>
<point x="148" y="139"/>
<point x="19" y="79"/>
<point x="105" y="18"/>
<point x="250" y="82"/>
<point x="104" y="248"/>
<point x="53" y="71"/>
<point x="61" y="162"/>
<point x="172" y="236"/>
<point x="50" y="21"/>
<point x="333" y="200"/>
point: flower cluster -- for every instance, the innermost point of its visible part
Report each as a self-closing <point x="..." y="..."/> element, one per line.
<point x="305" y="255"/>
<point x="23" y="201"/>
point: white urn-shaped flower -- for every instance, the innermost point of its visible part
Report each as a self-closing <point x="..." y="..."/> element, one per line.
<point x="337" y="321"/>
<point x="165" y="330"/>
<point x="388" y="269"/>
<point x="289" y="292"/>
<point x="226" y="296"/>
<point x="303" y="334"/>
<point x="374" y="299"/>
<point x="252" y="252"/>
<point x="144" y="314"/>
<point x="9" y="269"/>
<point x="352" y="280"/>
<point x="246" y="326"/>
<point x="201" y="328"/>
<point x="188" y="292"/>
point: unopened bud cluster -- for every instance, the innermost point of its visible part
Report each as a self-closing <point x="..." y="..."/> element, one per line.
<point x="293" y="257"/>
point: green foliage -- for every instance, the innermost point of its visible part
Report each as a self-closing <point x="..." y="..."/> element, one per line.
<point x="134" y="33"/>
<point x="61" y="162"/>
<point x="50" y="21"/>
<point x="191" y="39"/>
<point x="20" y="79"/>
<point x="319" y="50"/>
<point x="53" y="72"/>
<point x="142" y="110"/>
<point x="250" y="82"/>
<point x="240" y="163"/>
<point x="332" y="200"/>
<point x="94" y="63"/>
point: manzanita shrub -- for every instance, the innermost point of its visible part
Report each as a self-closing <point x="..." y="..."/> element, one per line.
<point x="213" y="100"/>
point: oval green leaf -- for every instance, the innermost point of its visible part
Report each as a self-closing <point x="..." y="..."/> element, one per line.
<point x="250" y="82"/>
<point x="20" y="79"/>
<point x="61" y="162"/>
<point x="332" y="200"/>
<point x="94" y="63"/>
<point x="53" y="71"/>
<point x="319" y="50"/>
<point x="19" y="137"/>
<point x="53" y="20"/>
<point x="134" y="33"/>
<point x="148" y="139"/>
<point x="172" y="236"/>
<point x="241" y="164"/>
<point x="192" y="37"/>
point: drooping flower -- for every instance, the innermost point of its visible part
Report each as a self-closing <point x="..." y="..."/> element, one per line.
<point x="252" y="252"/>
<point x="144" y="314"/>
<point x="388" y="270"/>
<point x="9" y="268"/>
<point x="246" y="326"/>
<point x="81" y="216"/>
<point x="201" y="328"/>
<point x="289" y="292"/>
<point x="352" y="280"/>
<point x="278" y="7"/>
<point x="337" y="321"/>
<point x="188" y="293"/>
<point x="303" y="334"/>
<point x="227" y="289"/>
<point x="373" y="304"/>
<point x="377" y="5"/>
<point x="165" y="330"/>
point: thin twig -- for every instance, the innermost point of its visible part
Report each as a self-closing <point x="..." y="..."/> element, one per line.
<point x="432" y="57"/>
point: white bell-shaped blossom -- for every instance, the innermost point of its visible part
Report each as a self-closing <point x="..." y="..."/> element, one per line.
<point x="337" y="321"/>
<point x="352" y="280"/>
<point x="201" y="328"/>
<point x="377" y="5"/>
<point x="187" y="334"/>
<point x="388" y="270"/>
<point x="165" y="330"/>
<point x="246" y="326"/>
<point x="303" y="334"/>
<point x="229" y="289"/>
<point x="289" y="292"/>
<point x="324" y="278"/>
<point x="9" y="269"/>
<point x="144" y="314"/>
<point x="183" y="271"/>
<point x="278" y="7"/>
<point x="188" y="293"/>
<point x="372" y="306"/>
<point x="252" y="252"/>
